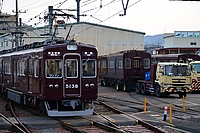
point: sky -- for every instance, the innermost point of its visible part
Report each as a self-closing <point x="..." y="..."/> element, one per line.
<point x="149" y="16"/>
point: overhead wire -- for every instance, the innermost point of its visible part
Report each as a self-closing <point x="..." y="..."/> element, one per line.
<point x="109" y="16"/>
<point x="92" y="16"/>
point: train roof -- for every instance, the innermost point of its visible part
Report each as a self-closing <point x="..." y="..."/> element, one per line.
<point x="120" y="53"/>
<point x="36" y="47"/>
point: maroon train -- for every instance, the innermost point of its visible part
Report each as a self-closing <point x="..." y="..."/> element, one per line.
<point x="49" y="77"/>
<point x="123" y="69"/>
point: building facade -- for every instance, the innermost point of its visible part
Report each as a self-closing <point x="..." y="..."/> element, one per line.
<point x="107" y="39"/>
<point x="181" y="42"/>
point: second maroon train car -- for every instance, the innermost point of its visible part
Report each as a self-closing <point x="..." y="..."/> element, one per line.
<point x="123" y="69"/>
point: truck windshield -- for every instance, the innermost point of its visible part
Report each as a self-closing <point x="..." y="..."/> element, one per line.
<point x="172" y="70"/>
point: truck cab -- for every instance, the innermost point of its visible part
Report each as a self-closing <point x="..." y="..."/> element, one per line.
<point x="166" y="78"/>
<point x="172" y="78"/>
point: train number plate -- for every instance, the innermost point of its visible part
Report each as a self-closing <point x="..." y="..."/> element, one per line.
<point x="71" y="86"/>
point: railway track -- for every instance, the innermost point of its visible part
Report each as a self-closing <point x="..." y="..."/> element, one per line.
<point x="17" y="125"/>
<point x="154" y="104"/>
<point x="139" y="121"/>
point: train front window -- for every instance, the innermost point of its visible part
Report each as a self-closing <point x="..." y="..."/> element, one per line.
<point x="53" y="68"/>
<point x="88" y="67"/>
<point x="71" y="68"/>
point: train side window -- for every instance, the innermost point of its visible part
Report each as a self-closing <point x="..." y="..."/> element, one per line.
<point x="21" y="67"/>
<point x="53" y="68"/>
<point x="146" y="63"/>
<point x="88" y="67"/>
<point x="71" y="68"/>
<point x="30" y="62"/>
<point x="7" y="68"/>
<point x="36" y="68"/>
<point x="120" y="64"/>
<point x="127" y="63"/>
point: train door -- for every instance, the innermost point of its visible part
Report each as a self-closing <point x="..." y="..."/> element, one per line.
<point x="71" y="78"/>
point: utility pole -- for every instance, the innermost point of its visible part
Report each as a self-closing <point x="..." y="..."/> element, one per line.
<point x="50" y="21"/>
<point x="125" y="8"/>
<point x="16" y="37"/>
<point x="17" y="25"/>
<point x="78" y="10"/>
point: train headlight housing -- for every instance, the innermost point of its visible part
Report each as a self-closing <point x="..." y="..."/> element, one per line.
<point x="51" y="86"/>
<point x="72" y="47"/>
<point x="56" y="86"/>
<point x="87" y="85"/>
<point x="92" y="85"/>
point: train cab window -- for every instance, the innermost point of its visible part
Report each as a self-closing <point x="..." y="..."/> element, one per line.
<point x="88" y="68"/>
<point x="71" y="70"/>
<point x="53" y="68"/>
<point x="104" y="63"/>
<point x="146" y="63"/>
<point x="127" y="63"/>
<point x="111" y="64"/>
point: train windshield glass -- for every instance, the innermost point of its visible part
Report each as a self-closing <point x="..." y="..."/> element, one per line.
<point x="88" y="67"/>
<point x="53" y="68"/>
<point x="71" y="68"/>
<point x="173" y="70"/>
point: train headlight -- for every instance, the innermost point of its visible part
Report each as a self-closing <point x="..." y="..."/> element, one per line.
<point x="92" y="85"/>
<point x="87" y="85"/>
<point x="56" y="86"/>
<point x="51" y="86"/>
<point x="72" y="47"/>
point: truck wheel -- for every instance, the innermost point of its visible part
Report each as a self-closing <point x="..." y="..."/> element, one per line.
<point x="182" y="94"/>
<point x="157" y="90"/>
<point x="143" y="88"/>
<point x="137" y="88"/>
